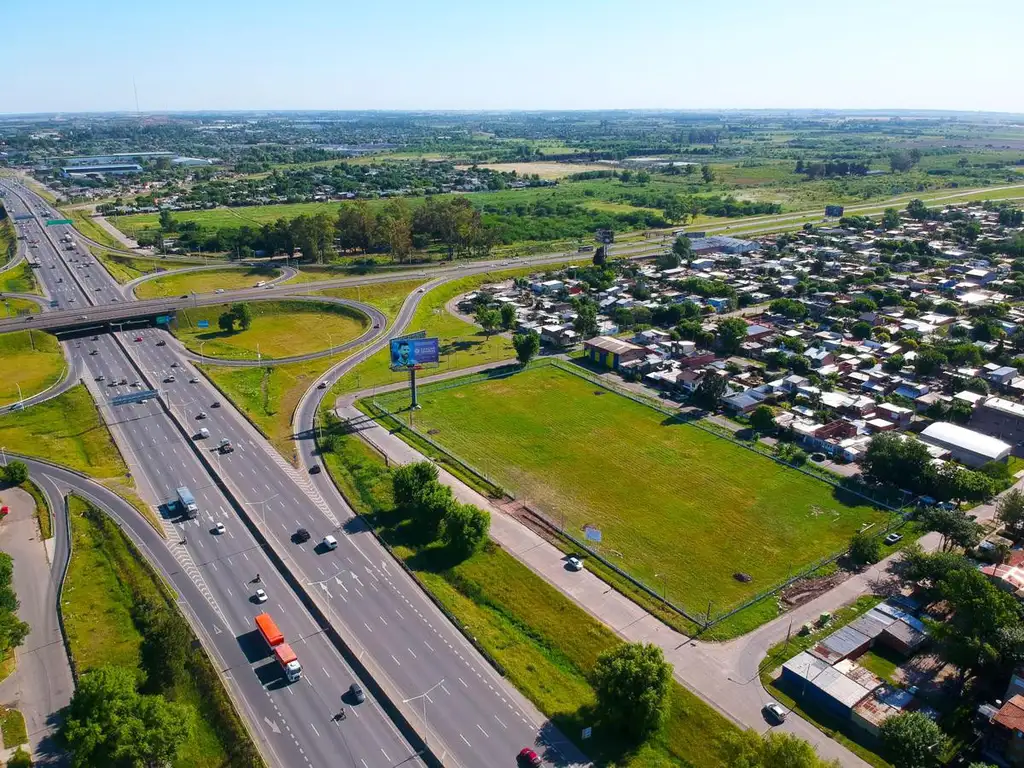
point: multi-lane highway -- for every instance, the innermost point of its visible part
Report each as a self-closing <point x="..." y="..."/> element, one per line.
<point x="466" y="712"/>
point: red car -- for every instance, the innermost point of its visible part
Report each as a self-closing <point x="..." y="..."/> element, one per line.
<point x="138" y="338"/>
<point x="528" y="757"/>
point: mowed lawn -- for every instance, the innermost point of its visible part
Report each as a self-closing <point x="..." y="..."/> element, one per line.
<point x="279" y="329"/>
<point x="679" y="508"/>
<point x="32" y="360"/>
<point x="204" y="281"/>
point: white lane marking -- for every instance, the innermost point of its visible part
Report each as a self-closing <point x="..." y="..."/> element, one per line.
<point x="500" y="723"/>
<point x="410" y="651"/>
<point x="428" y="646"/>
<point x="325" y="673"/>
<point x="463" y="682"/>
<point x="396" y="660"/>
<point x="464" y="739"/>
<point x="477" y="725"/>
<point x="318" y="732"/>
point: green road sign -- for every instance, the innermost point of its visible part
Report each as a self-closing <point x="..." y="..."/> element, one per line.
<point x="163" y="319"/>
<point x="58" y="222"/>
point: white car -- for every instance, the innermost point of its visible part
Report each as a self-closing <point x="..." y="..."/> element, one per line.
<point x="221" y="290"/>
<point x="219" y="528"/>
<point x="260" y="596"/>
<point x="775" y="711"/>
<point x="330" y="542"/>
<point x="574" y="563"/>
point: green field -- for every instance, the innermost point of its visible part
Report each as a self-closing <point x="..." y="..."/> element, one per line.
<point x="126" y="268"/>
<point x="107" y="582"/>
<point x="66" y="430"/>
<point x="32" y="360"/>
<point x="253" y="215"/>
<point x="546" y="643"/>
<point x="679" y="508"/>
<point x="279" y="329"/>
<point x="204" y="281"/>
<point x="12" y="727"/>
<point x="19" y="279"/>
<point x="15" y="306"/>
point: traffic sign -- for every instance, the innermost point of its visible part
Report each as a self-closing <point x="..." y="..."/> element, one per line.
<point x="163" y="319"/>
<point x="134" y="397"/>
<point x="58" y="222"/>
<point x="203" y="323"/>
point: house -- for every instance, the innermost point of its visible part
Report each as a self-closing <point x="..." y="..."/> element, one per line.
<point x="610" y="352"/>
<point x="547" y="287"/>
<point x="743" y="402"/>
<point x="1000" y="418"/>
<point x="557" y="336"/>
<point x="965" y="445"/>
<point x="897" y="414"/>
<point x="720" y="303"/>
<point x="1002" y="375"/>
<point x="825" y="686"/>
<point x="1005" y="738"/>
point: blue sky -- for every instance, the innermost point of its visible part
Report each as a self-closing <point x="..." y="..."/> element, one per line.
<point x="529" y="54"/>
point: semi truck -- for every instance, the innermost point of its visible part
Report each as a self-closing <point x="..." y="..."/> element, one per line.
<point x="187" y="501"/>
<point x="283" y="652"/>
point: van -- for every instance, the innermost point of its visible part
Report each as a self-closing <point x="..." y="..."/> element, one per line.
<point x="203" y="434"/>
<point x="261" y="283"/>
<point x="330" y="542"/>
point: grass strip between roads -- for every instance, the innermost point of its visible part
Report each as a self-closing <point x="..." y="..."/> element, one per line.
<point x="43" y="514"/>
<point x="109" y="588"/>
<point x="32" y="360"/>
<point x="546" y="644"/>
<point x="204" y="280"/>
<point x="19" y="279"/>
<point x="12" y="727"/>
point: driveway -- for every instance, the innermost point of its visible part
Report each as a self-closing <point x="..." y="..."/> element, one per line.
<point x="41" y="685"/>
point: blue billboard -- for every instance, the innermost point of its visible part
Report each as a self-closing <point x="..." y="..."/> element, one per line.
<point x="203" y="323"/>
<point x="406" y="352"/>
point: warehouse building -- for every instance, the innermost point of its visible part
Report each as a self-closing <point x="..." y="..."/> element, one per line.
<point x="835" y="689"/>
<point x="965" y="445"/>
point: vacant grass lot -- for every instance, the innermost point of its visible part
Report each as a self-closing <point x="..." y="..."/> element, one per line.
<point x="681" y="509"/>
<point x="67" y="430"/>
<point x="126" y="268"/>
<point x="546" y="643"/>
<point x="19" y="279"/>
<point x="204" y="281"/>
<point x="32" y="360"/>
<point x="106" y="581"/>
<point x="14" y="307"/>
<point x="279" y="329"/>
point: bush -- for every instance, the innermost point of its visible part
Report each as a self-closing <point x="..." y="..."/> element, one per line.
<point x="865" y="549"/>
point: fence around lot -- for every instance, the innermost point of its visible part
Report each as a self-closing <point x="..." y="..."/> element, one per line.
<point x="557" y="526"/>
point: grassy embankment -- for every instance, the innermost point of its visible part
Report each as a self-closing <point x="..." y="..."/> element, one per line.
<point x="32" y="360"/>
<point x="19" y="279"/>
<point x="205" y="281"/>
<point x="568" y="448"/>
<point x="84" y="223"/>
<point x="268" y="395"/>
<point x="546" y="644"/>
<point x="126" y="268"/>
<point x="8" y="238"/>
<point x="109" y="588"/>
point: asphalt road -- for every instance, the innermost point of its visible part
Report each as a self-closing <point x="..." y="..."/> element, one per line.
<point x="293" y="722"/>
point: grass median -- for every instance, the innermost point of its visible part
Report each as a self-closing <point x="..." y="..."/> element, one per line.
<point x="205" y="281"/>
<point x="547" y="645"/>
<point x="126" y="268"/>
<point x="12" y="727"/>
<point x="108" y="591"/>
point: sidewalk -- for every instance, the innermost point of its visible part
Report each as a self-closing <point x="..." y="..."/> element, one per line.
<point x="724" y="675"/>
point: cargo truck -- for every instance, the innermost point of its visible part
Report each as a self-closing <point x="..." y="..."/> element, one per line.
<point x="189" y="510"/>
<point x="283" y="652"/>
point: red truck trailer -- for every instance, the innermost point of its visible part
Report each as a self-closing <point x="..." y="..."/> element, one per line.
<point x="283" y="652"/>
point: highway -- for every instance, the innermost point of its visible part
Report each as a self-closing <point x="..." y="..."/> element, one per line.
<point x="467" y="713"/>
<point x="292" y="722"/>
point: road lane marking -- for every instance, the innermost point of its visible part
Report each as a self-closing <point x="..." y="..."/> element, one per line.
<point x="464" y="739"/>
<point x="500" y="723"/>
<point x="477" y="725"/>
<point x="396" y="660"/>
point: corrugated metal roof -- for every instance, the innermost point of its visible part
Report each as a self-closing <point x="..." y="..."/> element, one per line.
<point x="872" y="623"/>
<point x="840" y="644"/>
<point x="827" y="679"/>
<point x="966" y="439"/>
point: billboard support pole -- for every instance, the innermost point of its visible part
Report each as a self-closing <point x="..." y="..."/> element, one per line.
<point x="412" y="387"/>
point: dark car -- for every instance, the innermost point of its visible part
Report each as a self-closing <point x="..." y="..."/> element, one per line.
<point x="355" y="691"/>
<point x="161" y="343"/>
<point x="315" y="469"/>
<point x="528" y="757"/>
<point x="301" y="536"/>
<point x="215" y="404"/>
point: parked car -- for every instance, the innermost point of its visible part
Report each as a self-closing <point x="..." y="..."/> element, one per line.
<point x="775" y="712"/>
<point x="893" y="538"/>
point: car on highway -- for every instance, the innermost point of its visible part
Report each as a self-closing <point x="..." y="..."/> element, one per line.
<point x="574" y="563"/>
<point x="775" y="712"/>
<point x="194" y="380"/>
<point x="122" y="382"/>
<point x="215" y="404"/>
<point x="219" y="528"/>
<point x="329" y="542"/>
<point x="202" y="434"/>
<point x="94" y="352"/>
<point x="315" y="469"/>
<point x="260" y="596"/>
<point x="893" y="538"/>
<point x="138" y="338"/>
<point x="169" y="379"/>
<point x="174" y="364"/>
<point x="201" y="415"/>
<point x="136" y="383"/>
<point x="322" y="385"/>
<point x="219" y="290"/>
<point x="95" y="338"/>
<point x="355" y="692"/>
<point x="161" y="343"/>
<point x="301" y="536"/>
<point x="225" y="446"/>
<point x="101" y="377"/>
<point x="529" y="758"/>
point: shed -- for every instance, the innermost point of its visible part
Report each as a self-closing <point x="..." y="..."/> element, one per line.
<point x="815" y="681"/>
<point x="882" y="704"/>
<point x="903" y="637"/>
<point x="844" y="643"/>
<point x="872" y="623"/>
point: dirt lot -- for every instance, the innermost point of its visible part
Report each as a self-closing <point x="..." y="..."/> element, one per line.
<point x="545" y="170"/>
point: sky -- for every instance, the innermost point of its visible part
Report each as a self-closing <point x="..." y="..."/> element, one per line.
<point x="499" y="55"/>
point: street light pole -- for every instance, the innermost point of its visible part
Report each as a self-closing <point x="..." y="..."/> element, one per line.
<point x="424" y="696"/>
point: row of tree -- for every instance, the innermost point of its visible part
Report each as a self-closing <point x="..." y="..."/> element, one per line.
<point x="434" y="511"/>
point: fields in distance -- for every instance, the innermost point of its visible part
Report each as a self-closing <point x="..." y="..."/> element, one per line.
<point x="679" y="508"/>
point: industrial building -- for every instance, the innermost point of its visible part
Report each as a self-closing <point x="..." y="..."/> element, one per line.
<point x="965" y="445"/>
<point x="999" y="418"/>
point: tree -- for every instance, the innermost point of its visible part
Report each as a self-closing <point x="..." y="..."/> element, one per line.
<point x="929" y="361"/>
<point x="633" y="683"/>
<point x="890" y="218"/>
<point x="891" y="459"/>
<point x="865" y="549"/>
<point x="667" y="260"/>
<point x="20" y="759"/>
<point x="226" y="322"/>
<point x="508" y="316"/>
<point x="1010" y="511"/>
<point x="166" y="221"/>
<point x="465" y="528"/>
<point x="861" y="329"/>
<point x="900" y="161"/>
<point x="243" y="314"/>
<point x="953" y="525"/>
<point x="747" y="749"/>
<point x="913" y="740"/>
<point x="585" y="323"/>
<point x="109" y="723"/>
<point x="916" y="209"/>
<point x="527" y="345"/>
<point x="683" y="248"/>
<point x="707" y="174"/>
<point x="489" y="319"/>
<point x="394" y="228"/>
<point x="710" y="391"/>
<point x="731" y="333"/>
<point x="409" y="481"/>
<point x="762" y="419"/>
<point x="16" y="472"/>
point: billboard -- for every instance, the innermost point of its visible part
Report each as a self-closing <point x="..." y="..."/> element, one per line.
<point x="834" y="211"/>
<point x="406" y="352"/>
